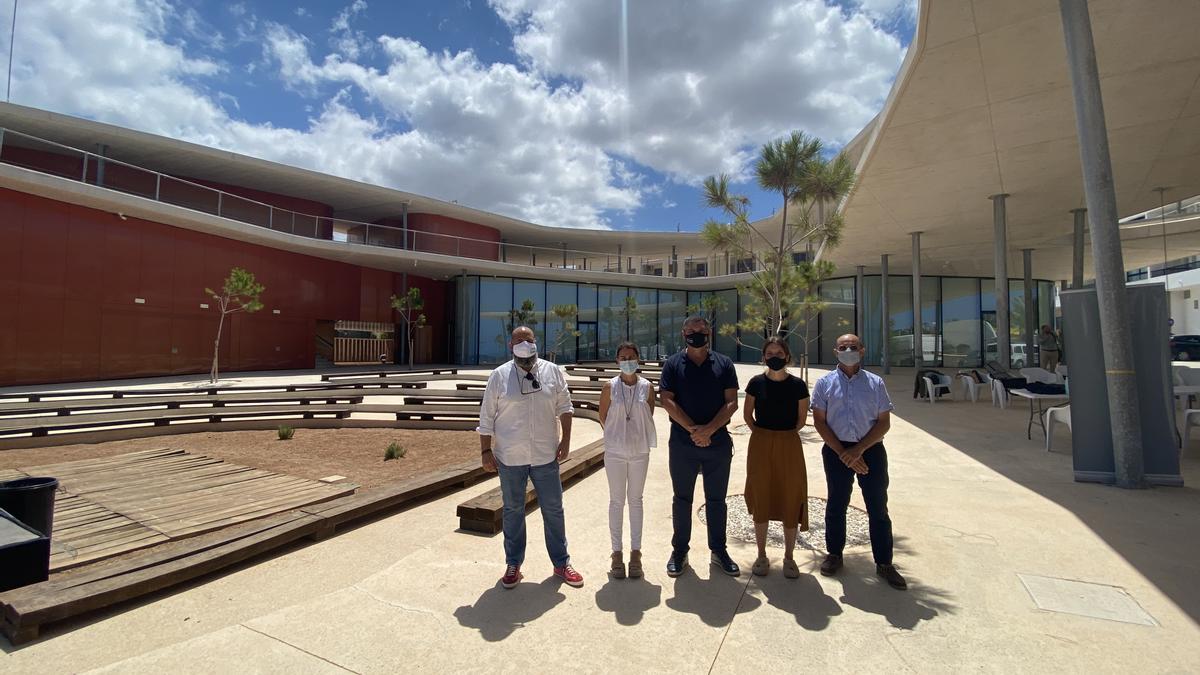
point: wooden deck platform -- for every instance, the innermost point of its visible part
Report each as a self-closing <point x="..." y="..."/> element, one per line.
<point x="113" y="505"/>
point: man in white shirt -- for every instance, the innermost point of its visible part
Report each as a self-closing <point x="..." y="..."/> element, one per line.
<point x="524" y="404"/>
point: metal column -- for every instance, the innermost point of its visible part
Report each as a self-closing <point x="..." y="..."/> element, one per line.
<point x="859" y="298"/>
<point x="1078" y="249"/>
<point x="884" y="322"/>
<point x="404" y="224"/>
<point x="1031" y="315"/>
<point x="918" y="338"/>
<point x="618" y="258"/>
<point x="1107" y="260"/>
<point x="1000" y="258"/>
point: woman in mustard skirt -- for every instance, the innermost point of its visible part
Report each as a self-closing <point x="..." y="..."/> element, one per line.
<point x="776" y="479"/>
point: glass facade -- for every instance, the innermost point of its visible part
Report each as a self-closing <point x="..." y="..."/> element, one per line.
<point x="957" y="317"/>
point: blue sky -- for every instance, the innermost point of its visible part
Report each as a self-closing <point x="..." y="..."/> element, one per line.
<point x="523" y="107"/>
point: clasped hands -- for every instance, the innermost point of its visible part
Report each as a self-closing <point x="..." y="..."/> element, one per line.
<point x="852" y="456"/>
<point x="701" y="434"/>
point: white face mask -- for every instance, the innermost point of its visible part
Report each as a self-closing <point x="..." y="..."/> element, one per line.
<point x="525" y="350"/>
<point x="628" y="367"/>
<point x="849" y="358"/>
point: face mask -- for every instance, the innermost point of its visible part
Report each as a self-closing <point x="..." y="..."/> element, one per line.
<point x="777" y="363"/>
<point x="849" y="358"/>
<point x="628" y="367"/>
<point x="525" y="350"/>
<point x="696" y="340"/>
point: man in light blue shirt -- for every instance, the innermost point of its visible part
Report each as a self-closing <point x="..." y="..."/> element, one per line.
<point x="852" y="411"/>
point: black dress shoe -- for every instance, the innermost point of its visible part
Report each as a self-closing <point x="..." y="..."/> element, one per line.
<point x="890" y="575"/>
<point x="677" y="564"/>
<point x="831" y="564"/>
<point x="721" y="559"/>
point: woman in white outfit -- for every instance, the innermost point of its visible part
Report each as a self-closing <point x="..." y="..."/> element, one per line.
<point x="626" y="413"/>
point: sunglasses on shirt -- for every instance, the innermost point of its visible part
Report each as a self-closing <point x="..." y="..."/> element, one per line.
<point x="533" y="383"/>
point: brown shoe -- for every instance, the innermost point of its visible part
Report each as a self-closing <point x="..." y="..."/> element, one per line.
<point x="790" y="569"/>
<point x="890" y="575"/>
<point x="831" y="564"/>
<point x="618" y="566"/>
<point x="635" y="564"/>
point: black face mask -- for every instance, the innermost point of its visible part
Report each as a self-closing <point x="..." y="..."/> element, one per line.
<point x="696" y="340"/>
<point x="776" y="363"/>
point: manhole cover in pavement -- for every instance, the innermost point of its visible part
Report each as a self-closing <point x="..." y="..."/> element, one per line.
<point x="1085" y="599"/>
<point x="740" y="525"/>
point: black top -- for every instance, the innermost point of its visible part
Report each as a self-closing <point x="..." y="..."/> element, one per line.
<point x="699" y="390"/>
<point x="777" y="404"/>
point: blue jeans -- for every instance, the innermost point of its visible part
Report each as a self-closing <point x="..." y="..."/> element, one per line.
<point x="686" y="461"/>
<point x="548" y="486"/>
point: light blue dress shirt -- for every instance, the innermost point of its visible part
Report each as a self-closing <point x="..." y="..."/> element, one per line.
<point x="852" y="405"/>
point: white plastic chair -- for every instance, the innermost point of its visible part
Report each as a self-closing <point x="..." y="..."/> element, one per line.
<point x="931" y="387"/>
<point x="1061" y="413"/>
<point x="1190" y="417"/>
<point x="999" y="394"/>
<point x="1040" y="375"/>
<point x="971" y="388"/>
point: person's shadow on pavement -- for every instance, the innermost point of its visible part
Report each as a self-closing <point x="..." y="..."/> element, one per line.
<point x="716" y="600"/>
<point x="628" y="599"/>
<point x="499" y="612"/>
<point x="861" y="588"/>
<point x="803" y="598"/>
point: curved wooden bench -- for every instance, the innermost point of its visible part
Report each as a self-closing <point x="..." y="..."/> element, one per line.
<point x="43" y="426"/>
<point x="83" y="405"/>
<point x="389" y="372"/>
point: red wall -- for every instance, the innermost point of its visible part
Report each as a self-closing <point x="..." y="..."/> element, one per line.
<point x="69" y="276"/>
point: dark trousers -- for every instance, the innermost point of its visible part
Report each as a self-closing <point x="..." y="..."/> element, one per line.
<point x="839" y="480"/>
<point x="686" y="461"/>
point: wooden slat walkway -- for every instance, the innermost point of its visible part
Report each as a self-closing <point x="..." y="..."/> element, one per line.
<point x="113" y="505"/>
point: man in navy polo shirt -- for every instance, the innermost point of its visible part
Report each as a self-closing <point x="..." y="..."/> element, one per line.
<point x="699" y="392"/>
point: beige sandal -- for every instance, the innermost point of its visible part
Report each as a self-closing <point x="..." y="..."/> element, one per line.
<point x="790" y="569"/>
<point x="635" y="564"/>
<point x="618" y="566"/>
<point x="761" y="566"/>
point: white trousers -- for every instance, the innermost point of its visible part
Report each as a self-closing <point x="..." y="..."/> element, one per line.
<point x="626" y="479"/>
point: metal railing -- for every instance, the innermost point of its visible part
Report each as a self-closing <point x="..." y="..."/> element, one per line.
<point x="52" y="158"/>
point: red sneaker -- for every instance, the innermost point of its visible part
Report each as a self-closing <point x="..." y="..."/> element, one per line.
<point x="512" y="576"/>
<point x="569" y="575"/>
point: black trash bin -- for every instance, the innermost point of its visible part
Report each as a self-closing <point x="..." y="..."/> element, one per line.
<point x="24" y="554"/>
<point x="31" y="501"/>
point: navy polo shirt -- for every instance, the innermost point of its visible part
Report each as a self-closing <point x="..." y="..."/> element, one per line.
<point x="699" y="390"/>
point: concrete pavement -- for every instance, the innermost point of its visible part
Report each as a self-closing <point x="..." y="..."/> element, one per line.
<point x="974" y="504"/>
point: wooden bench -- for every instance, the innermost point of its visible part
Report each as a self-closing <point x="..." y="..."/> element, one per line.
<point x="43" y="396"/>
<point x="24" y="611"/>
<point x="388" y="372"/>
<point x="42" y="426"/>
<point x="84" y="405"/>
<point x="485" y="512"/>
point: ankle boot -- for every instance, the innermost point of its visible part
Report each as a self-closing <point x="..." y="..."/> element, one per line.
<point x="618" y="566"/>
<point x="635" y="564"/>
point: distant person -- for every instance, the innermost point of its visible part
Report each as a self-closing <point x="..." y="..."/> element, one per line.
<point x="627" y="415"/>
<point x="519" y="437"/>
<point x="1048" y="348"/>
<point x="852" y="412"/>
<point x="776" y="409"/>
<point x="699" y="392"/>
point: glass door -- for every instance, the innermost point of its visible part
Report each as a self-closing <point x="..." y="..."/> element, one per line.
<point x="586" y="343"/>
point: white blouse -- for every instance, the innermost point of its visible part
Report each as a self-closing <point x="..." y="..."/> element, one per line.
<point x="629" y="428"/>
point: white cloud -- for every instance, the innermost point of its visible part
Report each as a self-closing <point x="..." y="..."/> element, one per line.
<point x="708" y="82"/>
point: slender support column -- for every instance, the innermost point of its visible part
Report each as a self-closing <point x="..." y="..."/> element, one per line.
<point x="1031" y="315"/>
<point x="859" y="300"/>
<point x="404" y="224"/>
<point x="405" y="356"/>
<point x="1078" y="249"/>
<point x="1000" y="258"/>
<point x="1108" y="262"/>
<point x="564" y="252"/>
<point x="618" y="258"/>
<point x="918" y="338"/>
<point x="885" y="318"/>
<point x="101" y="152"/>
<point x="674" y="266"/>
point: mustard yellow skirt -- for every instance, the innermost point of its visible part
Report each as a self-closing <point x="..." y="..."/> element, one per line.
<point x="777" y="479"/>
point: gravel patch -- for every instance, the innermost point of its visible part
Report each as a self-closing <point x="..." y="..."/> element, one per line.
<point x="741" y="525"/>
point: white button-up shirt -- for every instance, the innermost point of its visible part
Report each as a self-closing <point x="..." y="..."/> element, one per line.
<point x="523" y="421"/>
